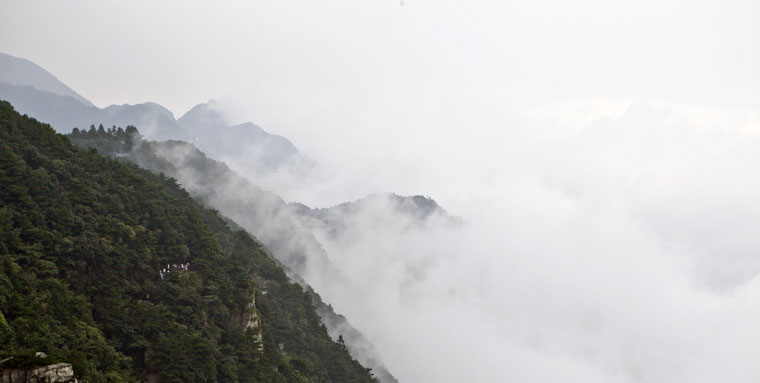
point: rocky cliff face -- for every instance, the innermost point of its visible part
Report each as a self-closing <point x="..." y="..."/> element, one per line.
<point x="249" y="319"/>
<point x="54" y="373"/>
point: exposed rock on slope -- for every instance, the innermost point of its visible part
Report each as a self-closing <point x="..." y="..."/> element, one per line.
<point x="54" y="373"/>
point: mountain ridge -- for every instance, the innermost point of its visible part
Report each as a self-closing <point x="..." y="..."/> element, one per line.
<point x="292" y="240"/>
<point x="36" y="92"/>
<point x="23" y="72"/>
<point x="242" y="146"/>
<point x="120" y="272"/>
<point x="264" y="214"/>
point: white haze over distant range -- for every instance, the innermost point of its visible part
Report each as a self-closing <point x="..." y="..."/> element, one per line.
<point x="620" y="248"/>
<point x="603" y="155"/>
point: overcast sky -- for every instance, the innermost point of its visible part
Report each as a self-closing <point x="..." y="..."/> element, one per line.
<point x="338" y="77"/>
<point x="604" y="153"/>
<point x="179" y="53"/>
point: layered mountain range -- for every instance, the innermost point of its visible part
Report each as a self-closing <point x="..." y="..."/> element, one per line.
<point x="35" y="92"/>
<point x="191" y="150"/>
<point x="115" y="274"/>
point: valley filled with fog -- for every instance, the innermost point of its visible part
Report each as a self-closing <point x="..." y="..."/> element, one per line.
<point x="611" y="247"/>
<point x="488" y="192"/>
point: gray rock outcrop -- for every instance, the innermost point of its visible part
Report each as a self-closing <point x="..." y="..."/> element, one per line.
<point x="54" y="373"/>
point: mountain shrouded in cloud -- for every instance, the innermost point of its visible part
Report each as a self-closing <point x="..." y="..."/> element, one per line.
<point x="121" y="274"/>
<point x="602" y="154"/>
<point x="289" y="230"/>
<point x="262" y="213"/>
<point x="378" y="210"/>
<point x="242" y="146"/>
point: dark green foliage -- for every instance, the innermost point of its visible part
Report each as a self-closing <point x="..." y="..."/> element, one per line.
<point x="106" y="141"/>
<point x="119" y="272"/>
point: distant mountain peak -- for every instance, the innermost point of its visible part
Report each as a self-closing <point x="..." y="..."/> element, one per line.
<point x="242" y="146"/>
<point x="246" y="146"/>
<point x="22" y="72"/>
<point x="207" y="115"/>
<point x="158" y="107"/>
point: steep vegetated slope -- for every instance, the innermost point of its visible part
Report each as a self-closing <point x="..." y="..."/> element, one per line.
<point x="276" y="223"/>
<point x="262" y="213"/>
<point x="120" y="272"/>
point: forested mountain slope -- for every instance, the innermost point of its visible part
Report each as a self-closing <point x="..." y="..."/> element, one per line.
<point x="121" y="273"/>
<point x="276" y="223"/>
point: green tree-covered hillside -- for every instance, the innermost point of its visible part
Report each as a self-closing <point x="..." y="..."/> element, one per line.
<point x="119" y="272"/>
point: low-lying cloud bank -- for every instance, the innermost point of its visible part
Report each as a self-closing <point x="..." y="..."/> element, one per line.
<point x="604" y="241"/>
<point x="600" y="241"/>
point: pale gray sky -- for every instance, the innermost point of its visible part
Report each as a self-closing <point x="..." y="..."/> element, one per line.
<point x="604" y="153"/>
<point x="369" y="72"/>
<point x="179" y="53"/>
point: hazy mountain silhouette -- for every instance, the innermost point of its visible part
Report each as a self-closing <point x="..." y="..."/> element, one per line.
<point x="34" y="91"/>
<point x="22" y="72"/>
<point x="243" y="146"/>
<point x="64" y="113"/>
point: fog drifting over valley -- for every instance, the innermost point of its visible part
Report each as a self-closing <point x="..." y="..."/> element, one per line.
<point x="623" y="251"/>
<point x="603" y="157"/>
